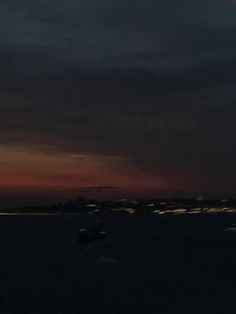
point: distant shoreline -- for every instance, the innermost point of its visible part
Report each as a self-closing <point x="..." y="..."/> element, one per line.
<point x="157" y="207"/>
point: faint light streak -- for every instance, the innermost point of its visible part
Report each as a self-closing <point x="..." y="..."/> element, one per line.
<point x="230" y="229"/>
<point x="195" y="212"/>
<point x="179" y="211"/>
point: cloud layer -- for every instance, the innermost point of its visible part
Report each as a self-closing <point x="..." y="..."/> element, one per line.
<point x="152" y="82"/>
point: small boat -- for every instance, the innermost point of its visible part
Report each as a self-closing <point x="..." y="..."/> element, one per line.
<point x="91" y="234"/>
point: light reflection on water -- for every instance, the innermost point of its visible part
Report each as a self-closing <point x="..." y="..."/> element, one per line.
<point x="177" y="211"/>
<point x="30" y="214"/>
<point x="230" y="229"/>
<point x="194" y="211"/>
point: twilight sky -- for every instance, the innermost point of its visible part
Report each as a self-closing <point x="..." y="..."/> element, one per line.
<point x="135" y="95"/>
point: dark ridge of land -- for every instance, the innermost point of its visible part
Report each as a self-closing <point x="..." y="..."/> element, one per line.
<point x="136" y="206"/>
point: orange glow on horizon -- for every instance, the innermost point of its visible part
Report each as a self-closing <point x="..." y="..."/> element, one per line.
<point x="30" y="171"/>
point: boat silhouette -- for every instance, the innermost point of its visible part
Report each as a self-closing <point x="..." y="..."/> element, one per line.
<point x="91" y="234"/>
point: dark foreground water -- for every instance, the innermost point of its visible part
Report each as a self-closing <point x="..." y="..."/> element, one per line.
<point x="147" y="264"/>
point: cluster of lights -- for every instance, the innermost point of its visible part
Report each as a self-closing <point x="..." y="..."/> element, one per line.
<point x="125" y="209"/>
<point x="181" y="211"/>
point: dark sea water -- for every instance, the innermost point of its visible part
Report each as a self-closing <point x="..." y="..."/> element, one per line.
<point x="146" y="264"/>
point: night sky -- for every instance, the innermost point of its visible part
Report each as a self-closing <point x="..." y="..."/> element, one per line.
<point x="128" y="96"/>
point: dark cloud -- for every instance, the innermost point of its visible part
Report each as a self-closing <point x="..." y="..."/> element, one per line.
<point x="153" y="81"/>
